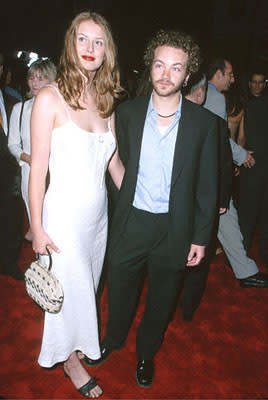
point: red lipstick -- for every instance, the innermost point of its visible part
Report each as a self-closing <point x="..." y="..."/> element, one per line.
<point x="88" y="58"/>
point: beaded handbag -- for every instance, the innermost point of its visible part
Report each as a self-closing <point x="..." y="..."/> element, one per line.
<point x="43" y="287"/>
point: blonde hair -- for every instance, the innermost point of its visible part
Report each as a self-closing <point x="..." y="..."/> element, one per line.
<point x="106" y="81"/>
<point x="46" y="68"/>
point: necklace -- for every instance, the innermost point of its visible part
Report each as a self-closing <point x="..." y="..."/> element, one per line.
<point x="166" y="116"/>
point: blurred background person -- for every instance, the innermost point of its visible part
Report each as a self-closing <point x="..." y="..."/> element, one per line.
<point x="10" y="201"/>
<point x="253" y="199"/>
<point x="13" y="84"/>
<point x="256" y="88"/>
<point x="235" y="106"/>
<point x="40" y="73"/>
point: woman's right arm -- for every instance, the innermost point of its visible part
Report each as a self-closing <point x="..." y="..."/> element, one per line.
<point x="42" y="123"/>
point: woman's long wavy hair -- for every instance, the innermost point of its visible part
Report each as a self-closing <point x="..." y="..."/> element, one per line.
<point x="106" y="81"/>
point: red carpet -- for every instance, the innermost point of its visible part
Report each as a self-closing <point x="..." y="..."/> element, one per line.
<point x="222" y="354"/>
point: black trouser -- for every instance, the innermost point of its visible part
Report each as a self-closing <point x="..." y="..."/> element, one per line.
<point x="144" y="241"/>
<point x="194" y="285"/>
<point x="254" y="203"/>
<point x="195" y="279"/>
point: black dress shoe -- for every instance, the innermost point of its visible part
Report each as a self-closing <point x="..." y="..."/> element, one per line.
<point x="145" y="373"/>
<point x="259" y="280"/>
<point x="105" y="352"/>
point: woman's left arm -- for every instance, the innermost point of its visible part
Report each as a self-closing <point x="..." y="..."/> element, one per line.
<point x="116" y="167"/>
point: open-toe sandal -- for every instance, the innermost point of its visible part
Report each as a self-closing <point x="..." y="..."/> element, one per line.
<point x="87" y="387"/>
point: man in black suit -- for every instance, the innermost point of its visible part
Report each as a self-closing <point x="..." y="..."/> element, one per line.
<point x="253" y="199"/>
<point x="166" y="207"/>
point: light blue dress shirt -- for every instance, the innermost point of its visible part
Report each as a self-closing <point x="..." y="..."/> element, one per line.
<point x="156" y="163"/>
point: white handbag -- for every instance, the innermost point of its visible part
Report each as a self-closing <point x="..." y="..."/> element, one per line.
<point x="43" y="287"/>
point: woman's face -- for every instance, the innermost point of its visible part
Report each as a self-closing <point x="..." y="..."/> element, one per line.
<point x="90" y="45"/>
<point x="36" y="81"/>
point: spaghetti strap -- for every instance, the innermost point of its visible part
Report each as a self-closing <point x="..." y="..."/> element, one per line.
<point x="109" y="124"/>
<point x="62" y="99"/>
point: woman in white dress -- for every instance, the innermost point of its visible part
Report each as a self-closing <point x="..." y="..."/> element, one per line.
<point x="40" y="73"/>
<point x="72" y="133"/>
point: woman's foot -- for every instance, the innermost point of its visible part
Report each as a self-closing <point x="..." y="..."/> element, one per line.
<point x="29" y="236"/>
<point x="80" y="377"/>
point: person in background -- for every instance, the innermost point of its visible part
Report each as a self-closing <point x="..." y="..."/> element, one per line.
<point x="40" y="73"/>
<point x="235" y="107"/>
<point x="10" y="201"/>
<point x="73" y="134"/>
<point x="220" y="77"/>
<point x="256" y="88"/>
<point x="254" y="183"/>
<point x="256" y="84"/>
<point x="13" y="85"/>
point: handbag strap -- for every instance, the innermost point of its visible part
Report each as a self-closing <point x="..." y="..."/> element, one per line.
<point x="50" y="258"/>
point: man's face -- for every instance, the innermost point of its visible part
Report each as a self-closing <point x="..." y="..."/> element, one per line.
<point x="226" y="78"/>
<point x="168" y="71"/>
<point x="257" y="84"/>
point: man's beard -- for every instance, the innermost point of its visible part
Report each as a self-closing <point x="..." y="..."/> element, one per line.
<point x="172" y="88"/>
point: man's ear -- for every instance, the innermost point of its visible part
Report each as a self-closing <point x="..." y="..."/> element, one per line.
<point x="218" y="74"/>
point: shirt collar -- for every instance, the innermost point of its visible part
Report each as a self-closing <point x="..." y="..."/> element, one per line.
<point x="212" y="84"/>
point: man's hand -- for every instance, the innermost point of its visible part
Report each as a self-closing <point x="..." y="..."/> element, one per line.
<point x="249" y="161"/>
<point x="195" y="255"/>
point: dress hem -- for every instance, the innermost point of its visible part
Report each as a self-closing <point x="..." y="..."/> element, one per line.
<point x="62" y="359"/>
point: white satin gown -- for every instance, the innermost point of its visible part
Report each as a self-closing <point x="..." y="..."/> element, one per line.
<point x="75" y="217"/>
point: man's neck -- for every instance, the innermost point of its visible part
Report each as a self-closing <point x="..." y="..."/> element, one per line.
<point x="215" y="83"/>
<point x="166" y="105"/>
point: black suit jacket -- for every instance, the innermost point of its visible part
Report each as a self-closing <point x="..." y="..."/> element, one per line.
<point x="256" y="129"/>
<point x="193" y="194"/>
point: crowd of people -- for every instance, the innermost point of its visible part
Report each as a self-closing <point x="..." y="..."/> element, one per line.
<point x="171" y="153"/>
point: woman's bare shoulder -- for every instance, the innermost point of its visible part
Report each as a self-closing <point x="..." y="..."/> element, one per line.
<point x="48" y="94"/>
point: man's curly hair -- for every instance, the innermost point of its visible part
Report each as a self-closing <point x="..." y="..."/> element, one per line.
<point x="178" y="40"/>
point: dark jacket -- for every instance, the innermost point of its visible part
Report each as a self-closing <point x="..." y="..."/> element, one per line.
<point x="194" y="182"/>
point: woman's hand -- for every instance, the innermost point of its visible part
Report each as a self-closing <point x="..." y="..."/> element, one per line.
<point x="41" y="240"/>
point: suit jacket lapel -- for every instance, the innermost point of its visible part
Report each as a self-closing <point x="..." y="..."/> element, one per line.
<point x="137" y="125"/>
<point x="183" y="142"/>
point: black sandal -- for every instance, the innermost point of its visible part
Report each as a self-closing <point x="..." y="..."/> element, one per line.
<point x="87" y="387"/>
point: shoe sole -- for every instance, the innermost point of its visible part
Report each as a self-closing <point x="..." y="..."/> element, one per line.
<point x="95" y="363"/>
<point x="245" y="286"/>
<point x="140" y="384"/>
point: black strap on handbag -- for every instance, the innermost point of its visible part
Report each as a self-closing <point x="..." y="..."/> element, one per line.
<point x="50" y="258"/>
